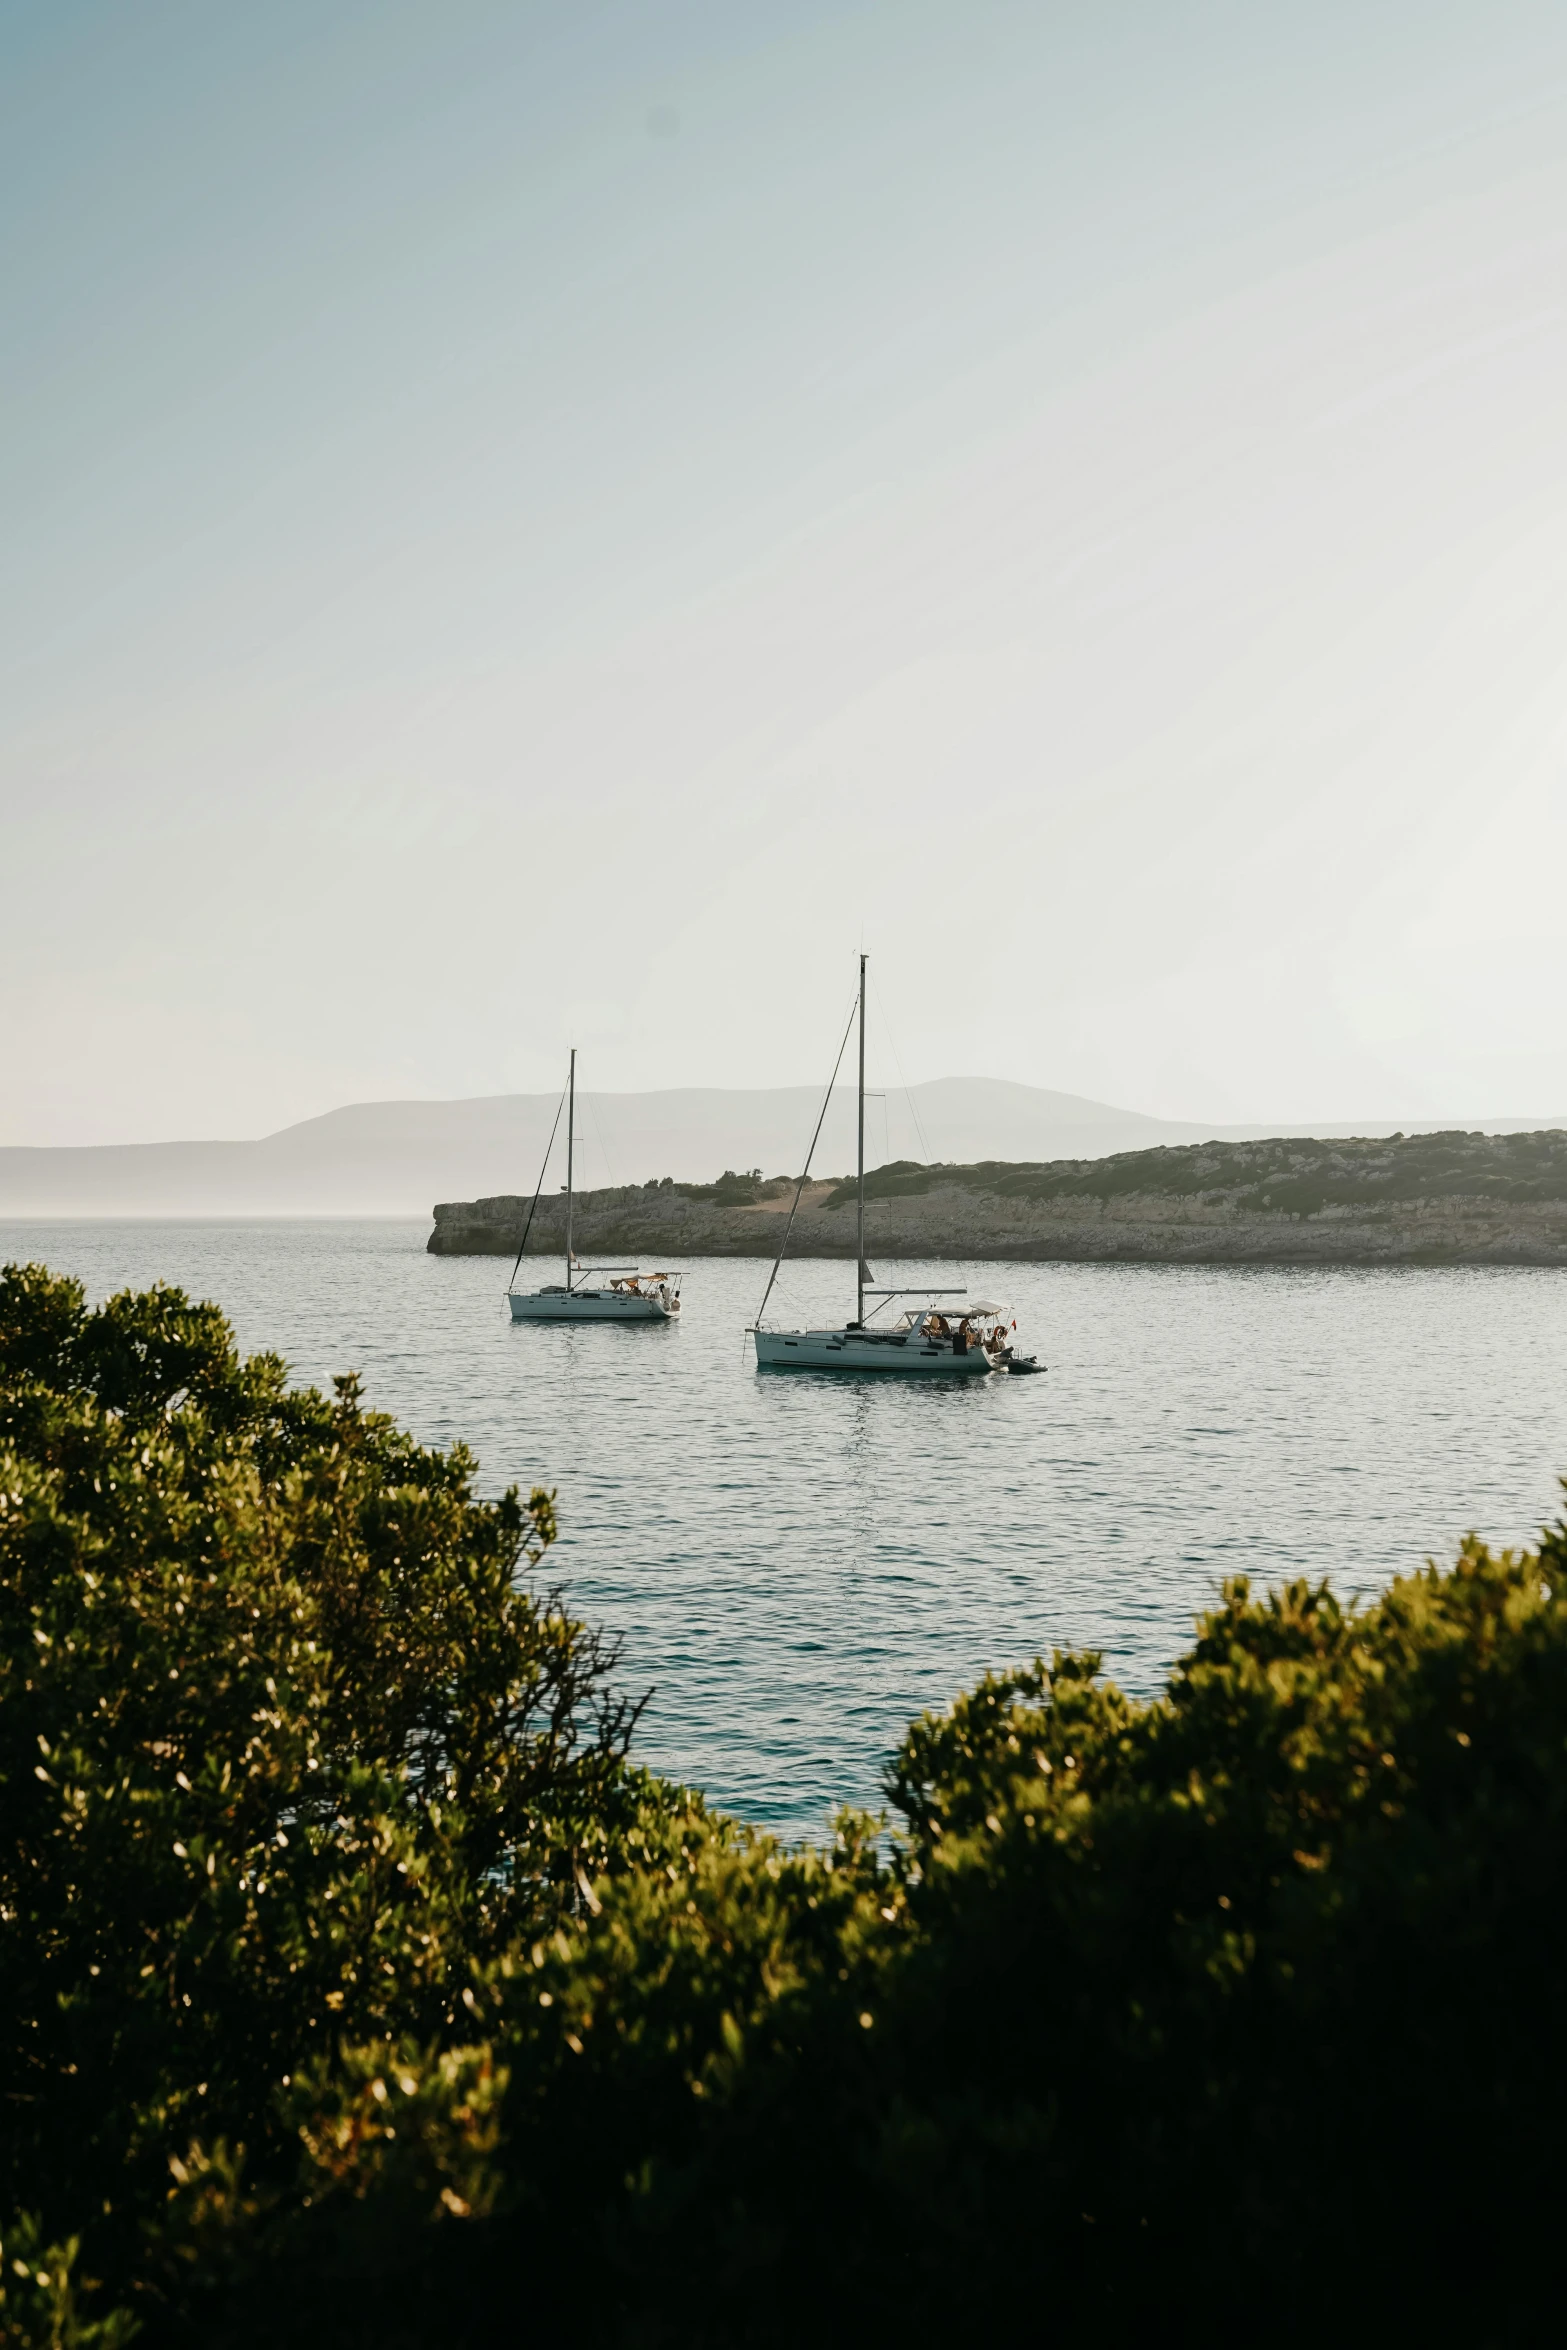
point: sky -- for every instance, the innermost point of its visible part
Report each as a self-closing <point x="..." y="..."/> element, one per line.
<point x="525" y="526"/>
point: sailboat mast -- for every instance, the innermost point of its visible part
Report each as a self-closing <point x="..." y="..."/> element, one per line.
<point x="859" y="1237"/>
<point x="571" y="1136"/>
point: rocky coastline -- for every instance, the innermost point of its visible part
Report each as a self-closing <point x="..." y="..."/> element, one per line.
<point x="1454" y="1199"/>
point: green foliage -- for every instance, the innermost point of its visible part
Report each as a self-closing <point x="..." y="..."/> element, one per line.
<point x="39" y="2306"/>
<point x="1146" y="2006"/>
<point x="287" y="1752"/>
<point x="1292" y="1176"/>
<point x="899" y="1179"/>
<point x="358" y="1989"/>
<point x="731" y="1190"/>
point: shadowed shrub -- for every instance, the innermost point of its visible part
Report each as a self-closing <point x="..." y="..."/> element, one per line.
<point x="356" y="1987"/>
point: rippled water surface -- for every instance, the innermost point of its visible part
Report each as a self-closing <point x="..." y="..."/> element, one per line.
<point x="796" y="1563"/>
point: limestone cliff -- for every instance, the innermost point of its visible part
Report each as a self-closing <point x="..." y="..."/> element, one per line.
<point x="1455" y="1199"/>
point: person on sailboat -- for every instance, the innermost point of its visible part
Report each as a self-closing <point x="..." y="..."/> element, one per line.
<point x="574" y="1300"/>
<point x="922" y="1341"/>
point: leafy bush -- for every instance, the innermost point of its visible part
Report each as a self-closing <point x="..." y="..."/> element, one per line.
<point x="1244" y="2003"/>
<point x="1294" y="1176"/>
<point x="287" y="1754"/>
<point x="358" y="1989"/>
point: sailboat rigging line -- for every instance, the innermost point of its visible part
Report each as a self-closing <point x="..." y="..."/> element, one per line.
<point x="593" y="1113"/>
<point x="908" y="1090"/>
<point x="543" y="1171"/>
<point x="810" y="1154"/>
<point x="861" y="1269"/>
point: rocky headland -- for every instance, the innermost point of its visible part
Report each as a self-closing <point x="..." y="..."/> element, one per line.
<point x="1429" y="1199"/>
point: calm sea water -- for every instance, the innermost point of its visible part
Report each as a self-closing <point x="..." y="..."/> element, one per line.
<point x="796" y="1564"/>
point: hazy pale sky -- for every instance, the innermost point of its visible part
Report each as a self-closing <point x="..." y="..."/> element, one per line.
<point x="535" y="524"/>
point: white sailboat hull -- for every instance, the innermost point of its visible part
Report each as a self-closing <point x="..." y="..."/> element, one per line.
<point x="925" y="1343"/>
<point x="910" y="1352"/>
<point x="589" y="1305"/>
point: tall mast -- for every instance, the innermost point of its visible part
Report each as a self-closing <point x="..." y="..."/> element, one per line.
<point x="571" y="1136"/>
<point x="859" y="1238"/>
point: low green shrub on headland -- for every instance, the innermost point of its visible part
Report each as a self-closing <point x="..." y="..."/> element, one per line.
<point x="355" y="1987"/>
<point x="1293" y="1175"/>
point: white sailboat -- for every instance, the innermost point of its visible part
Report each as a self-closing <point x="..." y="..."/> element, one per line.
<point x="926" y="1338"/>
<point x="633" y="1296"/>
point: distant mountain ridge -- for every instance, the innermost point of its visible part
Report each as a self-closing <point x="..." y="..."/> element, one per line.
<point x="399" y="1157"/>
